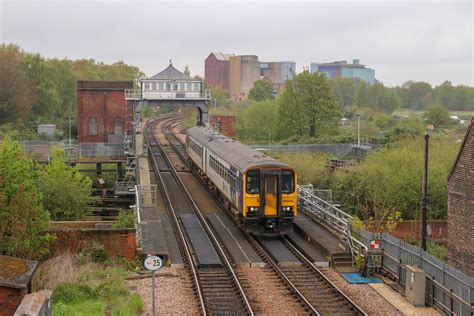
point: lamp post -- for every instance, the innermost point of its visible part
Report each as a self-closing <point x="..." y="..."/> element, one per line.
<point x="69" y="117"/>
<point x="358" y="130"/>
<point x="215" y="103"/>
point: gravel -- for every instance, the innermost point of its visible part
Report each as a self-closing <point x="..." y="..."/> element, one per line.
<point x="362" y="294"/>
<point x="174" y="293"/>
<point x="266" y="293"/>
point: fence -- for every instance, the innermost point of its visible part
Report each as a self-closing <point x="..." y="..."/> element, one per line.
<point x="447" y="288"/>
<point x="145" y="197"/>
<point x="101" y="150"/>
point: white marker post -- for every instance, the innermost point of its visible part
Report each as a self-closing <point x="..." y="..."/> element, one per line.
<point x="153" y="264"/>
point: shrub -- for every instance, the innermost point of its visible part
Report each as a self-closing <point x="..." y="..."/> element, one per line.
<point x="74" y="292"/>
<point x="125" y="219"/>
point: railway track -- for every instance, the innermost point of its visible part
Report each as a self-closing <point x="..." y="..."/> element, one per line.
<point x="216" y="285"/>
<point x="313" y="289"/>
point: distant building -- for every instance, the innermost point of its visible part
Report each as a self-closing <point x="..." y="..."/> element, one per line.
<point x="243" y="72"/>
<point x="277" y="73"/>
<point x="217" y="70"/>
<point x="46" y="130"/>
<point x="171" y="84"/>
<point x="461" y="207"/>
<point x="103" y="114"/>
<point x="343" y="69"/>
<point x="224" y="124"/>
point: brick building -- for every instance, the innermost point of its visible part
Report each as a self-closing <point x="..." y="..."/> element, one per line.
<point x="461" y="207"/>
<point x="103" y="114"/>
<point x="15" y="278"/>
<point x="217" y="70"/>
<point x="224" y="124"/>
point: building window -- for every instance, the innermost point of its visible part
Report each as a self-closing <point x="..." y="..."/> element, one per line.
<point x="118" y="126"/>
<point x="161" y="86"/>
<point x="181" y="86"/>
<point x="92" y="126"/>
<point x="196" y="86"/>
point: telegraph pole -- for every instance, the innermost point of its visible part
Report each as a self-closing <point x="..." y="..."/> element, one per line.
<point x="424" y="197"/>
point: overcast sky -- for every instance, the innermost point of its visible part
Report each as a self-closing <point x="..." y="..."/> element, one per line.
<point x="401" y="40"/>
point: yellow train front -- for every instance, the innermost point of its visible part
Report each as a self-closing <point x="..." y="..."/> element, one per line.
<point x="259" y="190"/>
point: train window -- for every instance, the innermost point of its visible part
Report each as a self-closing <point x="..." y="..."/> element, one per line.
<point x="288" y="181"/>
<point x="253" y="182"/>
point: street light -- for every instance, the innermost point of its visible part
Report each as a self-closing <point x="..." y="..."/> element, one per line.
<point x="358" y="130"/>
<point x="69" y="117"/>
<point x="215" y="103"/>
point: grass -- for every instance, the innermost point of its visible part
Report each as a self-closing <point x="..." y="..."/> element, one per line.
<point x="84" y="287"/>
<point x="85" y="308"/>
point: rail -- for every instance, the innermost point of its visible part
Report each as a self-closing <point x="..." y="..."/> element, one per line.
<point x="208" y="229"/>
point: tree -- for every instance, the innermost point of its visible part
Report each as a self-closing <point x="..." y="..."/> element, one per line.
<point x="390" y="101"/>
<point x="262" y="90"/>
<point x="307" y="105"/>
<point x="16" y="98"/>
<point x="221" y="96"/>
<point x="415" y="94"/>
<point x="344" y="90"/>
<point x="437" y="115"/>
<point x="389" y="180"/>
<point x="23" y="220"/>
<point x="66" y="193"/>
<point x="259" y="121"/>
<point x="187" y="72"/>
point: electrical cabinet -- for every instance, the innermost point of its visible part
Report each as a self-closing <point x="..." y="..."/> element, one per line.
<point x="415" y="286"/>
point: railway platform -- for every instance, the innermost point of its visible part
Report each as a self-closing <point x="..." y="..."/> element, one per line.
<point x="316" y="255"/>
<point x="239" y="249"/>
<point x="318" y="235"/>
<point x="282" y="256"/>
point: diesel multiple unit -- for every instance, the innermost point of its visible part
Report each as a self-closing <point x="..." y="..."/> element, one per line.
<point x="259" y="190"/>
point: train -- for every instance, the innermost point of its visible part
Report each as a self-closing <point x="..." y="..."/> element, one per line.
<point x="258" y="190"/>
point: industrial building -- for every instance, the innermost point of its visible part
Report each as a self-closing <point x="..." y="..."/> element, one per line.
<point x="277" y="73"/>
<point x="343" y="69"/>
<point x="237" y="74"/>
<point x="217" y="70"/>
<point x="243" y="72"/>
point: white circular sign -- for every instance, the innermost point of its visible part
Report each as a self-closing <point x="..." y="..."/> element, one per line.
<point x="153" y="263"/>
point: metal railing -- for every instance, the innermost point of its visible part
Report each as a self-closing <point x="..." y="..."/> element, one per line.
<point x="447" y="288"/>
<point x="101" y="150"/>
<point x="145" y="196"/>
<point x="336" y="220"/>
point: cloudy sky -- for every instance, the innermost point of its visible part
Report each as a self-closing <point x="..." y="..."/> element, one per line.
<point x="402" y="40"/>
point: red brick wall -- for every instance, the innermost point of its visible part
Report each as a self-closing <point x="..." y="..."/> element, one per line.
<point x="410" y="230"/>
<point x="227" y="124"/>
<point x="461" y="208"/>
<point x="104" y="100"/>
<point x="216" y="72"/>
<point x="10" y="298"/>
<point x="118" y="242"/>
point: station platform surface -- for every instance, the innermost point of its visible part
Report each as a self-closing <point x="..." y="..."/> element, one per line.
<point x="316" y="234"/>
<point x="152" y="239"/>
<point x="316" y="255"/>
<point x="282" y="256"/>
<point x="241" y="252"/>
<point x="203" y="249"/>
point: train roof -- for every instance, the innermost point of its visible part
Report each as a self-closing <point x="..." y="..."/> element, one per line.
<point x="237" y="154"/>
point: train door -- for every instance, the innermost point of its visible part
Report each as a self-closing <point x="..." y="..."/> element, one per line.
<point x="271" y="194"/>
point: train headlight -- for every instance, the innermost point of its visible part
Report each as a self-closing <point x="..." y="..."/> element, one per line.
<point x="287" y="209"/>
<point x="252" y="210"/>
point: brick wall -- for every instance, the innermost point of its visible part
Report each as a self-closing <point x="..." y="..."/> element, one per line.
<point x="105" y="101"/>
<point x="461" y="207"/>
<point x="226" y="123"/>
<point x="118" y="242"/>
<point x="217" y="72"/>
<point x="410" y="230"/>
<point x="10" y="298"/>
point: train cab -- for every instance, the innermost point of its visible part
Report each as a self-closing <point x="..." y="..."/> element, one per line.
<point x="270" y="200"/>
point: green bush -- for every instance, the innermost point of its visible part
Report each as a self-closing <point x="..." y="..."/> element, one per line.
<point x="437" y="250"/>
<point x="125" y="219"/>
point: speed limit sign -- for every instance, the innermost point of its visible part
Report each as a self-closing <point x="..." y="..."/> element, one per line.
<point x="153" y="263"/>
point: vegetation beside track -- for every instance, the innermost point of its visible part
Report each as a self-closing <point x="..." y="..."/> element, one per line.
<point x="88" y="283"/>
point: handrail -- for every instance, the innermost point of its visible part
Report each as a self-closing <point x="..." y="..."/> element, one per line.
<point x="337" y="219"/>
